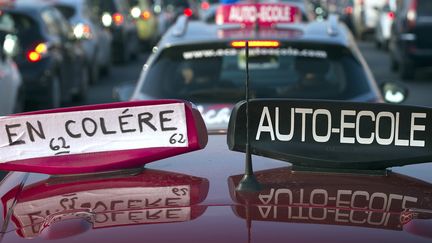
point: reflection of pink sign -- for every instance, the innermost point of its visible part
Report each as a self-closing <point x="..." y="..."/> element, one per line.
<point x="106" y="200"/>
<point x="262" y="14"/>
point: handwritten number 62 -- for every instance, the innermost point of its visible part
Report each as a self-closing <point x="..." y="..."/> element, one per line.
<point x="177" y="138"/>
<point x="58" y="147"/>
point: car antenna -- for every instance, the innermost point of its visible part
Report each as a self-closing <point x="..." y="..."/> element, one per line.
<point x="249" y="182"/>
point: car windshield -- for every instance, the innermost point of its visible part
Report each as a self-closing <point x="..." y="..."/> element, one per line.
<point x="215" y="73"/>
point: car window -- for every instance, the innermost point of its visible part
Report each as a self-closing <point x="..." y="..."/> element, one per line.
<point x="63" y="24"/>
<point x="106" y="6"/>
<point x="26" y="28"/>
<point x="93" y="10"/>
<point x="210" y="73"/>
<point x="67" y="11"/>
<point x="50" y="22"/>
<point x="6" y="22"/>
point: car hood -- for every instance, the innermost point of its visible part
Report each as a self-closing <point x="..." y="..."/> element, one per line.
<point x="192" y="198"/>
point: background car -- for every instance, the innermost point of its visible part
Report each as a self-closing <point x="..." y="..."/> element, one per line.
<point x="384" y="24"/>
<point x="146" y="21"/>
<point x="411" y="40"/>
<point x="115" y="16"/>
<point x="365" y="16"/>
<point x="11" y="87"/>
<point x="88" y="29"/>
<point x="208" y="69"/>
<point x="52" y="62"/>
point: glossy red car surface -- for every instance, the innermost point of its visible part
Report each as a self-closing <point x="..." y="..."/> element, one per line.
<point x="192" y="198"/>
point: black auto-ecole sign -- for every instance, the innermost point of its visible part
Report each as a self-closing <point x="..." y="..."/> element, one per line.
<point x="334" y="134"/>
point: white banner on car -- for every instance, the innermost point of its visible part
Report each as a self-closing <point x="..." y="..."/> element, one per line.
<point x="80" y="132"/>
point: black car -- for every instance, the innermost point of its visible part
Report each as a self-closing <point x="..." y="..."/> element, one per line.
<point x="50" y="59"/>
<point x="411" y="40"/>
<point x="115" y="16"/>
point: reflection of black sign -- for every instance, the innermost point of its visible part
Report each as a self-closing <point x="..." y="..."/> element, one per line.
<point x="120" y="199"/>
<point x="334" y="134"/>
<point x="337" y="199"/>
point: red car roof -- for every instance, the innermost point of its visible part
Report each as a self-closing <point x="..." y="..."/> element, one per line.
<point x="299" y="206"/>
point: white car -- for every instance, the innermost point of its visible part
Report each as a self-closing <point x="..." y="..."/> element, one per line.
<point x="384" y="23"/>
<point x="11" y="95"/>
<point x="366" y="15"/>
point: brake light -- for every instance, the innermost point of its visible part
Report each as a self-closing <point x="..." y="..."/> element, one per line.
<point x="33" y="56"/>
<point x="118" y="19"/>
<point x="391" y="15"/>
<point x="41" y="48"/>
<point x="412" y="14"/>
<point x="187" y="12"/>
<point x="145" y="15"/>
<point x="348" y="10"/>
<point x="82" y="31"/>
<point x="36" y="54"/>
<point x="205" y="5"/>
<point x="256" y="43"/>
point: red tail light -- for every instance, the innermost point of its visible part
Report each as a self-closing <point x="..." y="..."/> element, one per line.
<point x="412" y="14"/>
<point x="205" y="5"/>
<point x="33" y="56"/>
<point x="348" y="10"/>
<point x="188" y="12"/>
<point x="256" y="44"/>
<point x="391" y="15"/>
<point x="37" y="53"/>
<point x="118" y="19"/>
<point x="145" y="15"/>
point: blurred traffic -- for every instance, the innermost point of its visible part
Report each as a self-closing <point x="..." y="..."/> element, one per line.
<point x="59" y="53"/>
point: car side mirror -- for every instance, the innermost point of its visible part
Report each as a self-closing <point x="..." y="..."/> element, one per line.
<point x="394" y="92"/>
